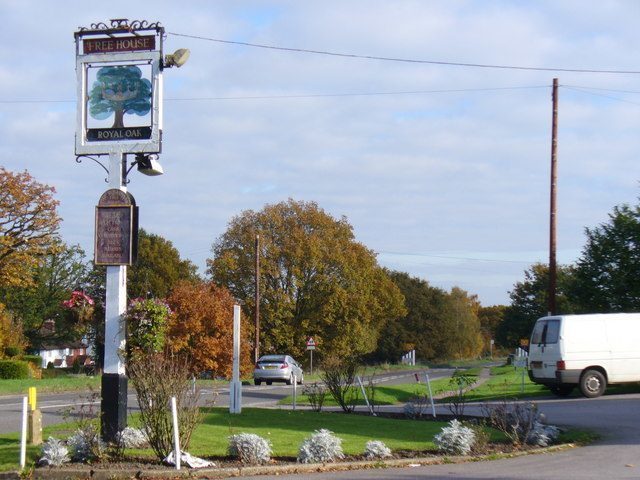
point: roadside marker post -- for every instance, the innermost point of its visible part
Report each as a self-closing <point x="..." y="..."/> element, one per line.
<point x="433" y="406"/>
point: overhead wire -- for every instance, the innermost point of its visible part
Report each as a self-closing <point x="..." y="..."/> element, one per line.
<point x="406" y="60"/>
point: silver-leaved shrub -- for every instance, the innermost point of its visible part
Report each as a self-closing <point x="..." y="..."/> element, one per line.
<point x="54" y="453"/>
<point x="85" y="445"/>
<point x="455" y="439"/>
<point x="132" y="438"/>
<point x="321" y="447"/>
<point x="250" y="448"/>
<point x="376" y="449"/>
<point x="543" y="435"/>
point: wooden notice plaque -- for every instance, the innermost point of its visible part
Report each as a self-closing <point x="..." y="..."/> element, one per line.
<point x="116" y="229"/>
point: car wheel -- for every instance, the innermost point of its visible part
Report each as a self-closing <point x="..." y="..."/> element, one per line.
<point x="592" y="384"/>
<point x="561" y="390"/>
<point x="290" y="381"/>
<point x="268" y="382"/>
<point x="301" y="382"/>
<point x="257" y="382"/>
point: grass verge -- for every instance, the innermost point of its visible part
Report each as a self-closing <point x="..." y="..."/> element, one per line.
<point x="69" y="383"/>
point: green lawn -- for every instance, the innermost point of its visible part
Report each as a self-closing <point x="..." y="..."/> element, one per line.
<point x="384" y="395"/>
<point x="286" y="430"/>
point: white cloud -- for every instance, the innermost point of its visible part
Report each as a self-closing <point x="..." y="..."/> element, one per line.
<point x="464" y="174"/>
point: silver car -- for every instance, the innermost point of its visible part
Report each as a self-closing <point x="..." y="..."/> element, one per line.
<point x="277" y="368"/>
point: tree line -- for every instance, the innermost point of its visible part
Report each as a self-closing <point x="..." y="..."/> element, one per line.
<point x="316" y="280"/>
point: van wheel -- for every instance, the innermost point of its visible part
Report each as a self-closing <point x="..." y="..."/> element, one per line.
<point x="592" y="384"/>
<point x="257" y="382"/>
<point x="561" y="390"/>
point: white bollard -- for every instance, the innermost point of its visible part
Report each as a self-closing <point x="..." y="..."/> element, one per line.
<point x="176" y="434"/>
<point x="23" y="442"/>
<point x="295" y="391"/>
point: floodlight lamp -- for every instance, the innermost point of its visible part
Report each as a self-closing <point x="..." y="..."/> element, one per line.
<point x="149" y="165"/>
<point x="177" y="58"/>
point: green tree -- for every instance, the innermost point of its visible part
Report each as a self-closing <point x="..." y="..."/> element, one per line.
<point x="52" y="280"/>
<point x="490" y="318"/>
<point x="316" y="280"/>
<point x="158" y="269"/>
<point x="606" y="275"/>
<point x="529" y="301"/>
<point x="438" y="324"/>
<point x="28" y="226"/>
<point x="119" y="90"/>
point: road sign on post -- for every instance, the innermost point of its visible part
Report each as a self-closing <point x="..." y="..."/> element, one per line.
<point x="311" y="346"/>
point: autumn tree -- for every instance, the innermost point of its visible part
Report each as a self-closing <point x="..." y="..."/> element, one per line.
<point x="11" y="336"/>
<point x="158" y="269"/>
<point x="316" y="279"/>
<point x="202" y="327"/>
<point x="28" y="225"/>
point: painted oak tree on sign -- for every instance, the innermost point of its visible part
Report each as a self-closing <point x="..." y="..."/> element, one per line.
<point x="119" y="90"/>
<point x="316" y="279"/>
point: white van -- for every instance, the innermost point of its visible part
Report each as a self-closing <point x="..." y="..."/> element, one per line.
<point x="588" y="351"/>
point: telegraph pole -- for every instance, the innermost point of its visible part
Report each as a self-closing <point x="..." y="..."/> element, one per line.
<point x="256" y="351"/>
<point x="552" y="204"/>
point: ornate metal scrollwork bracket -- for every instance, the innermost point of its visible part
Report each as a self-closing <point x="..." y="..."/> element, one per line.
<point x="79" y="160"/>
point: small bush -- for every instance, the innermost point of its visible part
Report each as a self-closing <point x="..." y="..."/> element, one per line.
<point x="250" y="448"/>
<point x="54" y="453"/>
<point x="323" y="446"/>
<point x="35" y="360"/>
<point x="376" y="449"/>
<point x="416" y="406"/>
<point x="516" y="420"/>
<point x="339" y="375"/>
<point x="543" y="435"/>
<point x="132" y="438"/>
<point x="456" y="439"/>
<point x="13" y="369"/>
<point x="85" y="444"/>
<point x="12" y="351"/>
<point x="316" y="393"/>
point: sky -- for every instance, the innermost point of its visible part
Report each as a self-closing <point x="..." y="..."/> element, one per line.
<point x="442" y="170"/>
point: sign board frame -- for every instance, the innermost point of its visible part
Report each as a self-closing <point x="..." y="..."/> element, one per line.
<point x="125" y="140"/>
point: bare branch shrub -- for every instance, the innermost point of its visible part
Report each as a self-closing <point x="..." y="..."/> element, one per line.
<point x="156" y="379"/>
<point x="339" y="375"/>
<point x="316" y="393"/>
<point x="516" y="420"/>
<point x="459" y="384"/>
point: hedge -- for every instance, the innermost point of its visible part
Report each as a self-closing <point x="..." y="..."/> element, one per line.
<point x="35" y="360"/>
<point x="14" y="369"/>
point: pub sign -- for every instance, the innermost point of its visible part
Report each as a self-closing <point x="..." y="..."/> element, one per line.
<point x="119" y="88"/>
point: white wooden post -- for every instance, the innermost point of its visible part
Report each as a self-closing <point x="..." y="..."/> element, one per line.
<point x="176" y="433"/>
<point x="23" y="441"/>
<point x="235" y="392"/>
